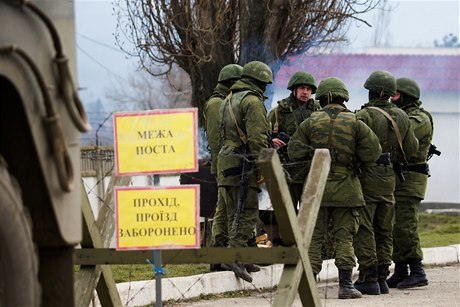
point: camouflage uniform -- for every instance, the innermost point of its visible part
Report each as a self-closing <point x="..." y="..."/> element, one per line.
<point x="227" y="76"/>
<point x="410" y="193"/>
<point x="244" y="133"/>
<point x="374" y="242"/>
<point x="348" y="139"/>
<point x="286" y="117"/>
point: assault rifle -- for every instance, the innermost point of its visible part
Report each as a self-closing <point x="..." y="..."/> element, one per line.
<point x="384" y="159"/>
<point x="433" y="151"/>
<point x="243" y="191"/>
<point x="398" y="168"/>
<point x="282" y="151"/>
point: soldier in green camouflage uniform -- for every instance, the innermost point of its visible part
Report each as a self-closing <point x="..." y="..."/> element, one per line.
<point x="410" y="193"/>
<point x="286" y="117"/>
<point x="348" y="139"/>
<point x="227" y="77"/>
<point x="244" y="133"/>
<point x="374" y="240"/>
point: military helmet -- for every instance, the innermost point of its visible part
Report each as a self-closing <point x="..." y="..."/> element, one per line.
<point x="381" y="81"/>
<point x="302" y="78"/>
<point x="332" y="86"/>
<point x="230" y="72"/>
<point x="258" y="71"/>
<point x="408" y="87"/>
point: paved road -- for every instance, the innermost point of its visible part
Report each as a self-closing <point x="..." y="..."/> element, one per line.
<point x="443" y="291"/>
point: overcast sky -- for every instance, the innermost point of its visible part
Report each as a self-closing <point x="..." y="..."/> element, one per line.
<point x="410" y="24"/>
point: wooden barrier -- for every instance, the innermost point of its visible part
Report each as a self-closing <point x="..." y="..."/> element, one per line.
<point x="295" y="231"/>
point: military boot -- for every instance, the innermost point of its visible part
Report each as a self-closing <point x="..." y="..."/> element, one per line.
<point x="399" y="275"/>
<point x="239" y="270"/>
<point x="346" y="289"/>
<point x="383" y="272"/>
<point x="252" y="268"/>
<point x="417" y="277"/>
<point x="367" y="282"/>
<point x="216" y="267"/>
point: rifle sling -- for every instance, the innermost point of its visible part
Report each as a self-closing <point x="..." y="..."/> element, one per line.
<point x="243" y="137"/>
<point x="395" y="129"/>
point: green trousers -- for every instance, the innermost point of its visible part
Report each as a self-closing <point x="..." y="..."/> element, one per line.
<point x="239" y="232"/>
<point x="373" y="242"/>
<point x="406" y="242"/>
<point x="219" y="230"/>
<point x="345" y="222"/>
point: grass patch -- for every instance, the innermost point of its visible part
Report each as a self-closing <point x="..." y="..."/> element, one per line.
<point x="438" y="230"/>
<point x="124" y="273"/>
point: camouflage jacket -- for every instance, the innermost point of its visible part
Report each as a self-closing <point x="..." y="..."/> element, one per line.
<point x="383" y="128"/>
<point x="422" y="123"/>
<point x="212" y="122"/>
<point x="287" y="115"/>
<point x="348" y="139"/>
<point x="248" y="114"/>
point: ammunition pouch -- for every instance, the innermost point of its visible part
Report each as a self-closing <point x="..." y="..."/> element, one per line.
<point x="232" y="171"/>
<point x="384" y="159"/>
<point x="421" y="168"/>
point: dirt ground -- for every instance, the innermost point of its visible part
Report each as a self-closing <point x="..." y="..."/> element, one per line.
<point x="443" y="291"/>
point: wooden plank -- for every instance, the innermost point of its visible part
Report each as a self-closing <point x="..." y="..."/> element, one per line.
<point x="105" y="224"/>
<point x="85" y="283"/>
<point x="106" y="288"/>
<point x="106" y="217"/>
<point x="89" y="277"/>
<point x="275" y="180"/>
<point x="93" y="256"/>
<point x="299" y="277"/>
<point x="308" y="213"/>
<point x="286" y="218"/>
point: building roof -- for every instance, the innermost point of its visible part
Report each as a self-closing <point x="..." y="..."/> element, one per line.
<point x="432" y="72"/>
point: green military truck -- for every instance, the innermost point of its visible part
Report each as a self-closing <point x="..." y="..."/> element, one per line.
<point x="41" y="119"/>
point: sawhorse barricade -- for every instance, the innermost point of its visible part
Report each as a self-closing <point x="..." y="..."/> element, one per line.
<point x="295" y="232"/>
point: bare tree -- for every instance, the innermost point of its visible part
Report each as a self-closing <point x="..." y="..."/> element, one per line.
<point x="202" y="36"/>
<point x="142" y="91"/>
<point x="382" y="22"/>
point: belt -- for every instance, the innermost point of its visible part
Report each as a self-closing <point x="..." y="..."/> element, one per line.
<point x="341" y="170"/>
<point x="421" y="168"/>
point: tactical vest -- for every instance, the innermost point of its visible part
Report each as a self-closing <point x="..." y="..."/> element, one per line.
<point x="335" y="129"/>
<point x="233" y="130"/>
<point x="219" y="92"/>
<point x="287" y="116"/>
<point x="419" y="115"/>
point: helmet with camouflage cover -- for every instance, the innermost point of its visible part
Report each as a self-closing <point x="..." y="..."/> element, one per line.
<point x="381" y="81"/>
<point x="408" y="87"/>
<point x="258" y="71"/>
<point x="302" y="78"/>
<point x="230" y="72"/>
<point x="332" y="87"/>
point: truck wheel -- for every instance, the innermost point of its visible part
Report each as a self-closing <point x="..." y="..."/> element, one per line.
<point x="19" y="284"/>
